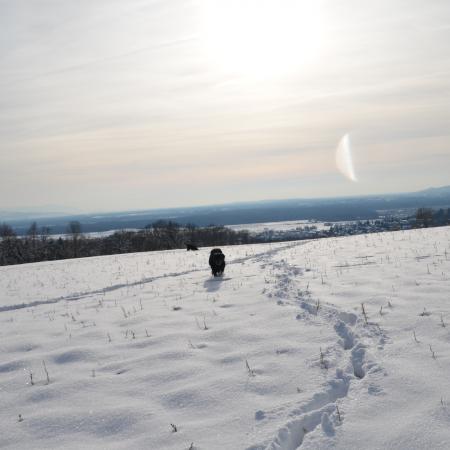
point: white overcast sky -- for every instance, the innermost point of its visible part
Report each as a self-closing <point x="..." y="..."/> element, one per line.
<point x="112" y="105"/>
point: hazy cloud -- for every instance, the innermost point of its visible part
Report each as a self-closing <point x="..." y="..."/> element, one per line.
<point x="106" y="104"/>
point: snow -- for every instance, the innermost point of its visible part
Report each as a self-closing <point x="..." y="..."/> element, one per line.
<point x="275" y="355"/>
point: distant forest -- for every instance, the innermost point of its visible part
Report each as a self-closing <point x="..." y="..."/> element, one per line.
<point x="39" y="245"/>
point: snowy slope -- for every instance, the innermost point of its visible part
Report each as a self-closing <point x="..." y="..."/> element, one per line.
<point x="276" y="355"/>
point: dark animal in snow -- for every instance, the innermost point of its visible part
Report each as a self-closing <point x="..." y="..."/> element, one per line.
<point x="217" y="261"/>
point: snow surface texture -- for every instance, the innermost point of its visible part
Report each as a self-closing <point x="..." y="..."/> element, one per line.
<point x="148" y="351"/>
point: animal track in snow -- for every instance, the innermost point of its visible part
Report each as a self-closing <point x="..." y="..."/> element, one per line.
<point x="358" y="360"/>
<point x="346" y="334"/>
<point x="320" y="410"/>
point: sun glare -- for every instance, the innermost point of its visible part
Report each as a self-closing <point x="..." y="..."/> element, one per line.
<point x="261" y="38"/>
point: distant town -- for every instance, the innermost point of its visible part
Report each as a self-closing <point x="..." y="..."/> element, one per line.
<point x="424" y="218"/>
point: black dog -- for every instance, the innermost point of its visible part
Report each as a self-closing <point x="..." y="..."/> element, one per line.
<point x="217" y="261"/>
<point x="191" y="247"/>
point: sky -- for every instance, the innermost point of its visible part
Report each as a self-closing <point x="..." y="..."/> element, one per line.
<point x="110" y="105"/>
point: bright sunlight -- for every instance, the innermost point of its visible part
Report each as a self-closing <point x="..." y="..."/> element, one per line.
<point x="261" y="38"/>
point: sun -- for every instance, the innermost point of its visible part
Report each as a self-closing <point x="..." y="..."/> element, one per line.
<point x="261" y="38"/>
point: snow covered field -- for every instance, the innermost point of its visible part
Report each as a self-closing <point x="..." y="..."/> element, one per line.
<point x="146" y="351"/>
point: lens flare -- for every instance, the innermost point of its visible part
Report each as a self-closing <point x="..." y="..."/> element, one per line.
<point x="344" y="160"/>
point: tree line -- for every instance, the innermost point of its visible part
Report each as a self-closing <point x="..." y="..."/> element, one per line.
<point x="427" y="217"/>
<point x="39" y="245"/>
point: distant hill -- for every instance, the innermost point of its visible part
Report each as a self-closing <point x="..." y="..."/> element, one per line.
<point x="442" y="192"/>
<point x="323" y="209"/>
